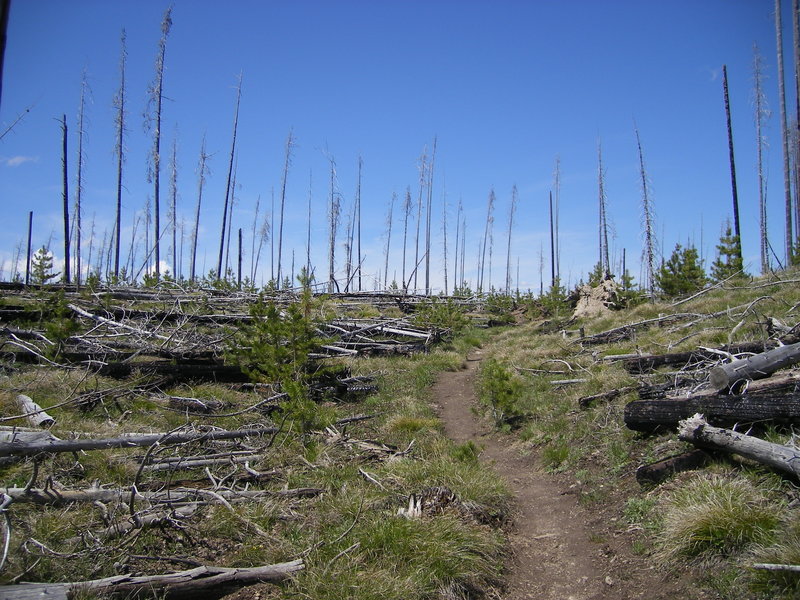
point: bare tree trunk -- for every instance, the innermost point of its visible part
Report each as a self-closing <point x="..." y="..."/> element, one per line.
<point x="456" y="283"/>
<point x="65" y="198"/>
<point x="444" y="235"/>
<point x="333" y="220"/>
<point x="784" y="134"/>
<point x="119" y="104"/>
<point x="508" y="247"/>
<point x="79" y="183"/>
<point x="406" y="213"/>
<point x="253" y="241"/>
<point x="287" y="161"/>
<point x="428" y="222"/>
<point x="263" y="232"/>
<point x="422" y="168"/>
<point x="605" y="264"/>
<point x="762" y="114"/>
<point x="173" y="209"/>
<point x="552" y="246"/>
<point x="308" y="231"/>
<point x="388" y="242"/>
<point x="157" y="96"/>
<point x="736" y="227"/>
<point x="358" y="223"/>
<point x="486" y="240"/>
<point x="796" y="30"/>
<point x="28" y="254"/>
<point x="556" y="212"/>
<point x="239" y="270"/>
<point x="201" y="178"/>
<point x="647" y="209"/>
<point x="230" y="174"/>
<point x="231" y="206"/>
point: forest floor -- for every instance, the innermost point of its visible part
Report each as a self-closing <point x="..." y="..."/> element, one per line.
<point x="559" y="548"/>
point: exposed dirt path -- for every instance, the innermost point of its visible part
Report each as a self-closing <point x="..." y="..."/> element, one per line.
<point x="560" y="550"/>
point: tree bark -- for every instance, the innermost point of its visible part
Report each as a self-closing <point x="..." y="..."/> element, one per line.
<point x="34" y="413"/>
<point x="697" y="431"/>
<point x="663" y="469"/>
<point x="18" y="448"/>
<point x="773" y="403"/>
<point x="205" y="582"/>
<point x="734" y="374"/>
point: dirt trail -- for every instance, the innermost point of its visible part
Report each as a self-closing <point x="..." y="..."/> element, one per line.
<point x="557" y="553"/>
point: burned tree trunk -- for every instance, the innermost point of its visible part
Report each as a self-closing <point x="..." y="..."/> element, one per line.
<point x="734" y="374"/>
<point x="697" y="431"/>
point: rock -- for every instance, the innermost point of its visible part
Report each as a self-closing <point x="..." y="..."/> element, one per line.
<point x="596" y="301"/>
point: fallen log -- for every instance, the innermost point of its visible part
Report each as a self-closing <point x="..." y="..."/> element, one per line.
<point x="586" y="401"/>
<point x="697" y="431"/>
<point x="774" y="403"/>
<point x="647" y="363"/>
<point x="34" y="413"/>
<point x="734" y="374"/>
<point x="201" y="582"/>
<point x="664" y="469"/>
<point x="22" y="448"/>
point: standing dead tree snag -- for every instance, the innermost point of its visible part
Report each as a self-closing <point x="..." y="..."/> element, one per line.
<point x="286" y="163"/>
<point x="736" y="228"/>
<point x="787" y="186"/>
<point x="603" y="259"/>
<point x="65" y="197"/>
<point x="228" y="190"/>
<point x="202" y="169"/>
<point x="333" y="221"/>
<point x="762" y="114"/>
<point x="508" y="247"/>
<point x="157" y="98"/>
<point x="647" y="218"/>
<point x="119" y="104"/>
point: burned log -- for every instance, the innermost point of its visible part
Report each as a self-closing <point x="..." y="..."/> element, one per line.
<point x="200" y="582"/>
<point x="21" y="448"/>
<point x="664" y="469"/>
<point x="697" y="431"/>
<point x="736" y="373"/>
<point x="647" y="363"/>
<point x="774" y="403"/>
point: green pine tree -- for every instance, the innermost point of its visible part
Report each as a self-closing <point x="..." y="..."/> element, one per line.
<point x="729" y="259"/>
<point x="682" y="273"/>
<point x="42" y="266"/>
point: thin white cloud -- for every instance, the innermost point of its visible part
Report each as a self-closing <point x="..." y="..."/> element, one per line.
<point x="16" y="161"/>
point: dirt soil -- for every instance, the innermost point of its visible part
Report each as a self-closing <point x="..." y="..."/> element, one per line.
<point x="560" y="548"/>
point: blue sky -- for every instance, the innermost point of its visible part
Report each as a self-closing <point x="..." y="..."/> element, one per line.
<point x="506" y="88"/>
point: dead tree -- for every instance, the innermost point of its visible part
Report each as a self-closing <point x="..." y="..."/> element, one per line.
<point x="735" y="195"/>
<point x="422" y="170"/>
<point x="157" y="97"/>
<point x="388" y="241"/>
<point x="796" y="136"/>
<point x="230" y="174"/>
<point x="28" y="253"/>
<point x="697" y="431"/>
<point x="333" y="221"/>
<point x="308" y="226"/>
<point x="444" y="236"/>
<point x="357" y="218"/>
<point x="79" y="181"/>
<point x="486" y="240"/>
<point x="428" y="222"/>
<point x="65" y="198"/>
<point x="647" y="218"/>
<point x="508" y="247"/>
<point x="202" y="169"/>
<point x="603" y="259"/>
<point x="173" y="206"/>
<point x="555" y="213"/>
<point x="456" y="283"/>
<point x="553" y="277"/>
<point x="762" y="113"/>
<point x="734" y="374"/>
<point x="787" y="186"/>
<point x="406" y="212"/>
<point x="119" y="104"/>
<point x="287" y="162"/>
